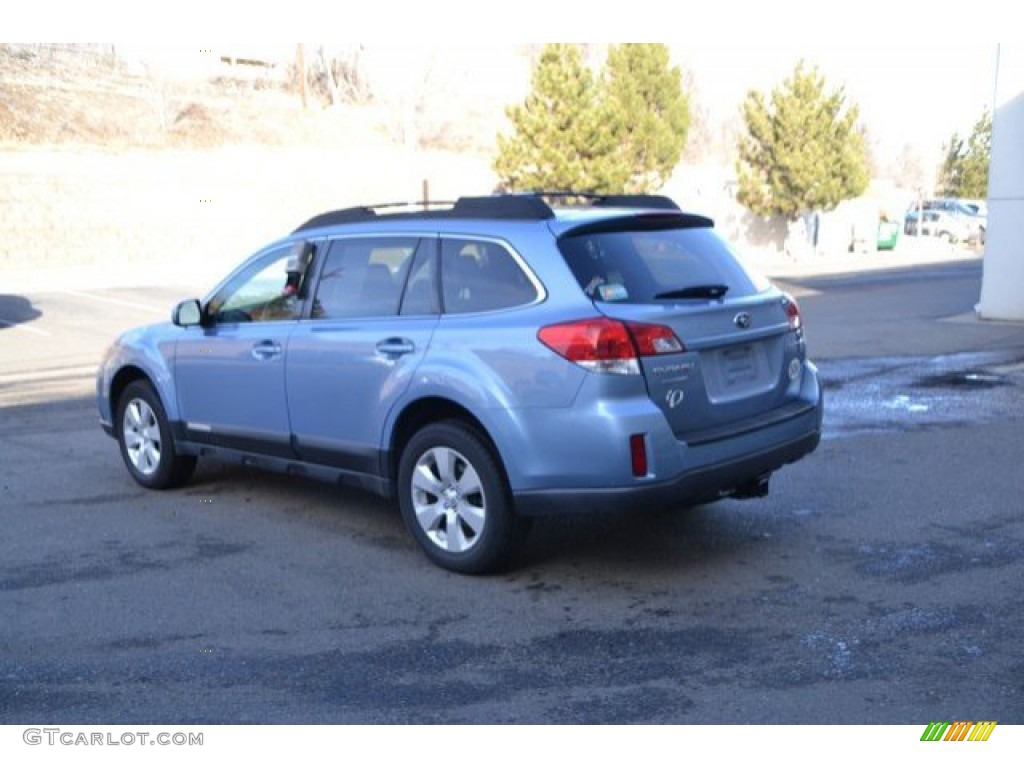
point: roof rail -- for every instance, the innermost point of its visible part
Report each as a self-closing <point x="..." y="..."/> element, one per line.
<point x="530" y="208"/>
<point x="369" y="213"/>
<point x="656" y="202"/>
<point x="343" y="216"/>
<point x="521" y="206"/>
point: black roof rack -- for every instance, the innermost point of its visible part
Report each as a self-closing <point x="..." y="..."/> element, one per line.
<point x="343" y="216"/>
<point x="529" y="208"/>
<point x="653" y="202"/>
<point x="521" y="206"/>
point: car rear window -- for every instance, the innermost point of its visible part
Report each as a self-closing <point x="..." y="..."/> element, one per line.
<point x="639" y="267"/>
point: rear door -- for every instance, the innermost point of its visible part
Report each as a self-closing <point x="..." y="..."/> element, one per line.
<point x="738" y="335"/>
<point x="375" y="309"/>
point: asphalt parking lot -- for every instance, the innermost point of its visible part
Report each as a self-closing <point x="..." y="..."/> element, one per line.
<point x="878" y="583"/>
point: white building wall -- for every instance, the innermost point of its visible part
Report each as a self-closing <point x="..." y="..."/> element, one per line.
<point x="1002" y="286"/>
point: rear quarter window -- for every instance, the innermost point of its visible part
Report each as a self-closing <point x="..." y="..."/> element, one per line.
<point x="481" y="276"/>
<point x="638" y="266"/>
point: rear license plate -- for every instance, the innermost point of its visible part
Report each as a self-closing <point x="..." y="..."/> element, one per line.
<point x="739" y="366"/>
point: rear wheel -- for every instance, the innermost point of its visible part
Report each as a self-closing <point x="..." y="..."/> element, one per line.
<point x="455" y="501"/>
<point x="147" y="445"/>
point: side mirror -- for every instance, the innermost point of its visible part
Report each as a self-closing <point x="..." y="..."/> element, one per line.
<point x="187" y="313"/>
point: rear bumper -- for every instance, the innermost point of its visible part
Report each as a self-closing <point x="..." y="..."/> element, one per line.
<point x="588" y="446"/>
<point x="707" y="467"/>
<point x="702" y="484"/>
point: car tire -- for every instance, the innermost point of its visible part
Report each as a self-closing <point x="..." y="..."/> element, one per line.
<point x="455" y="500"/>
<point x="147" y="445"/>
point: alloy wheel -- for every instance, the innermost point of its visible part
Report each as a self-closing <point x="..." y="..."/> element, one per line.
<point x="142" y="436"/>
<point x="448" y="499"/>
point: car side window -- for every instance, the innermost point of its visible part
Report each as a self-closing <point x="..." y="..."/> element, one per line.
<point x="260" y="293"/>
<point x="363" y="277"/>
<point x="480" y="276"/>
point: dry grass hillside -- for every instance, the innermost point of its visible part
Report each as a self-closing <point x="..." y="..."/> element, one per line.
<point x="107" y="168"/>
<point x="118" y="169"/>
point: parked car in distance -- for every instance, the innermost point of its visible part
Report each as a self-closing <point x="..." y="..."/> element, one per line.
<point x="973" y="214"/>
<point x="950" y="204"/>
<point x="979" y="209"/>
<point x="951" y="227"/>
<point x="481" y="363"/>
<point x="976" y="206"/>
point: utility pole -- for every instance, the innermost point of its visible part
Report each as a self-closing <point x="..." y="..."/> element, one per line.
<point x="300" y="67"/>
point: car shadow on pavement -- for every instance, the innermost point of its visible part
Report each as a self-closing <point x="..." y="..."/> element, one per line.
<point x="631" y="541"/>
<point x="16" y="310"/>
<point x="642" y="539"/>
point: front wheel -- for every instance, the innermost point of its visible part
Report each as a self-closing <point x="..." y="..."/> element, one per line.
<point x="454" y="500"/>
<point x="147" y="445"/>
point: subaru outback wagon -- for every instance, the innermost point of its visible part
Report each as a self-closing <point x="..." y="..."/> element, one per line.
<point x="481" y="363"/>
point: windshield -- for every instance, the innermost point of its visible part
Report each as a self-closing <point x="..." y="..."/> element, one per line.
<point x="640" y="267"/>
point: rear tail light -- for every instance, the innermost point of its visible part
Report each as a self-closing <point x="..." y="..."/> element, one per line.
<point x="600" y="345"/>
<point x="604" y="345"/>
<point x="792" y="312"/>
<point x="654" y="340"/>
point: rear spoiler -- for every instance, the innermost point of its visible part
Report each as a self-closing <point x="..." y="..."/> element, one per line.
<point x="640" y="222"/>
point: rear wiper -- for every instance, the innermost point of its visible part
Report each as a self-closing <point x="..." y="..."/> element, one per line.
<point x="713" y="291"/>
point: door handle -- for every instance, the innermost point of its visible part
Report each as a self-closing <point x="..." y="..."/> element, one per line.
<point x="395" y="347"/>
<point x="266" y="350"/>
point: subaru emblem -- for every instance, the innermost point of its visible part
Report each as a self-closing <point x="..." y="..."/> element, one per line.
<point x="742" y="320"/>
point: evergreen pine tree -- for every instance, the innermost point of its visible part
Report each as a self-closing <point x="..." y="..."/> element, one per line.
<point x="647" y="112"/>
<point x="964" y="171"/>
<point x="801" y="152"/>
<point x="558" y="142"/>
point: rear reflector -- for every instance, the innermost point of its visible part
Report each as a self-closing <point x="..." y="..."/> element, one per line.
<point x="609" y="346"/>
<point x="795" y="366"/>
<point x="638" y="455"/>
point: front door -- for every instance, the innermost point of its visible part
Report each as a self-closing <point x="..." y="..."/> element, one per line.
<point x="230" y="372"/>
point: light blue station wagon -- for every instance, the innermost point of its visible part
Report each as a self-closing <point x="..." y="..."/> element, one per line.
<point x="482" y="363"/>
